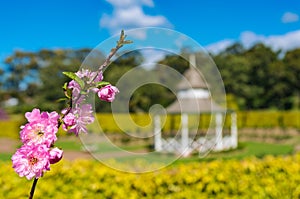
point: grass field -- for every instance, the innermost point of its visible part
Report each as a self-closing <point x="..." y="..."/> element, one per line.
<point x="245" y="149"/>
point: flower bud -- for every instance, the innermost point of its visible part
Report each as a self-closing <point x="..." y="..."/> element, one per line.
<point x="107" y="93"/>
<point x="55" y="155"/>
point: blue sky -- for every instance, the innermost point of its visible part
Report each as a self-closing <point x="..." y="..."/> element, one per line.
<point x="33" y="24"/>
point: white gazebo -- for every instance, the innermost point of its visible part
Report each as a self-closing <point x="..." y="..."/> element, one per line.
<point x="193" y="97"/>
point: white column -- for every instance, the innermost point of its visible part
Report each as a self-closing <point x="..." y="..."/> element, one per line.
<point x="219" y="136"/>
<point x="234" y="134"/>
<point x="157" y="134"/>
<point x="192" y="60"/>
<point x="184" y="132"/>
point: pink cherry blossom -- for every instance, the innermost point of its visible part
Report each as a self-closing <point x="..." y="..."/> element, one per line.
<point x="107" y="93"/>
<point x="37" y="115"/>
<point x="99" y="77"/>
<point x="41" y="129"/>
<point x="68" y="121"/>
<point x="83" y="116"/>
<point x="89" y="76"/>
<point x="75" y="88"/>
<point x="31" y="161"/>
<point x="55" y="155"/>
<point x="52" y="117"/>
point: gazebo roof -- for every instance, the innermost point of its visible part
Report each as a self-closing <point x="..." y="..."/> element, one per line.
<point x="193" y="79"/>
<point x="194" y="105"/>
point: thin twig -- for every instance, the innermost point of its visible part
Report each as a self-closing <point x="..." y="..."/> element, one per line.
<point x="120" y="43"/>
<point x="33" y="188"/>
<point x="114" y="50"/>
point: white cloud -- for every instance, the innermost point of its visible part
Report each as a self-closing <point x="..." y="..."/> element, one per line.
<point x="288" y="41"/>
<point x="180" y="40"/>
<point x="139" y="34"/>
<point x="152" y="56"/>
<point x="289" y="17"/>
<point x="285" y="42"/>
<point x="248" y="38"/>
<point x="217" y="47"/>
<point x="129" y="14"/>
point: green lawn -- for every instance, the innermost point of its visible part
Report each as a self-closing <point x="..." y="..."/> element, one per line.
<point x="69" y="145"/>
<point x="5" y="156"/>
<point x="245" y="149"/>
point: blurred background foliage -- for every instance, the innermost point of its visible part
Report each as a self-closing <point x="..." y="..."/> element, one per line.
<point x="255" y="78"/>
<point x="262" y="85"/>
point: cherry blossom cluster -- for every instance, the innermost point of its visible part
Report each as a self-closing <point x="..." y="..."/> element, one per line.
<point x="38" y="136"/>
<point x="77" y="117"/>
<point x="38" y="151"/>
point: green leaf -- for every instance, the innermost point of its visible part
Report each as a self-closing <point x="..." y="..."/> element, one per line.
<point x="65" y="86"/>
<point x="74" y="77"/>
<point x="68" y="93"/>
<point x="100" y="84"/>
<point x="62" y="99"/>
<point x="83" y="92"/>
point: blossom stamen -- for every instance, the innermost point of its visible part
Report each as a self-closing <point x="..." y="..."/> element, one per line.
<point x="33" y="161"/>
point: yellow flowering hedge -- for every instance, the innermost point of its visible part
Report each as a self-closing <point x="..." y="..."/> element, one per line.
<point x="108" y="124"/>
<point x="271" y="177"/>
<point x="247" y="119"/>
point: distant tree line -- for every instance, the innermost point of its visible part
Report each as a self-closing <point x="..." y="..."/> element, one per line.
<point x="260" y="78"/>
<point x="255" y="78"/>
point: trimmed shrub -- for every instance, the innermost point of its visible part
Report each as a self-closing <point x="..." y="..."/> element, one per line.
<point x="271" y="177"/>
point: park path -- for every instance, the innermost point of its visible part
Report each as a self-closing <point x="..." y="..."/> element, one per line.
<point x="9" y="146"/>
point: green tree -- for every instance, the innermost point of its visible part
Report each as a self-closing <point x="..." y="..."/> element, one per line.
<point x="291" y="61"/>
<point x="51" y="77"/>
<point x="22" y="68"/>
<point x="176" y="62"/>
<point x="279" y="95"/>
<point x="235" y="71"/>
<point x="260" y="58"/>
<point x="256" y="77"/>
<point x="36" y="78"/>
